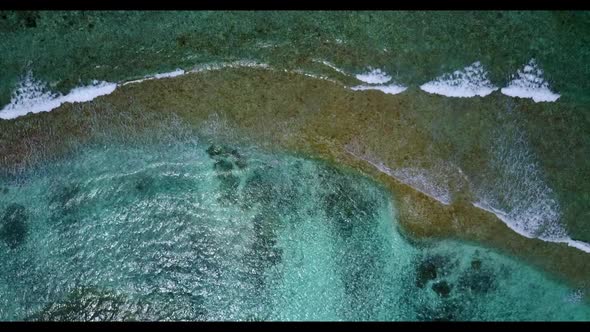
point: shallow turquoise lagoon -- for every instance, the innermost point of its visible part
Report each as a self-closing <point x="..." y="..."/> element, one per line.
<point x="191" y="230"/>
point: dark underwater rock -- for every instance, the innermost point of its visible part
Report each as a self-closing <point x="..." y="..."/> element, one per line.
<point x="144" y="183"/>
<point x="223" y="165"/>
<point x="447" y="312"/>
<point x="430" y="268"/>
<point x="476" y="264"/>
<point x="63" y="197"/>
<point x="63" y="203"/>
<point x="29" y="18"/>
<point x="229" y="187"/>
<point x="218" y="150"/>
<point x="425" y="272"/>
<point x="86" y="304"/>
<point x="265" y="243"/>
<point x="442" y="288"/>
<point x="13" y="225"/>
<point x="241" y="163"/>
<point x="479" y="281"/>
<point x="231" y="155"/>
<point x="341" y="214"/>
<point x="263" y="252"/>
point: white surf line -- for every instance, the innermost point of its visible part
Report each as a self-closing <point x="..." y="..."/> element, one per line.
<point x="32" y="96"/>
<point x="528" y="82"/>
<point x="504" y="218"/>
<point x="421" y="179"/>
<point x="316" y="76"/>
<point x="331" y="65"/>
<point x="391" y="89"/>
<point x="174" y="73"/>
<point x="445" y="200"/>
<point x="235" y="64"/>
<point x="469" y="82"/>
<point x="199" y="69"/>
<point x="254" y="64"/>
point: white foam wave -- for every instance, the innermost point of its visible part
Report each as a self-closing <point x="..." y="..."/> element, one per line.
<point x="516" y="225"/>
<point x="519" y="197"/>
<point x="374" y="76"/>
<point x="573" y="243"/>
<point x="470" y="82"/>
<point x="32" y="96"/>
<point x="87" y="93"/>
<point x="391" y="89"/>
<point x="529" y="83"/>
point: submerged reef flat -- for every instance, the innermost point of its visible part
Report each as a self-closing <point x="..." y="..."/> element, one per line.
<point x="456" y="168"/>
<point x="174" y="229"/>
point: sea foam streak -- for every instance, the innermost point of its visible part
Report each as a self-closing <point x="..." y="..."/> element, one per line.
<point x="423" y="180"/>
<point x="529" y="83"/>
<point x="471" y="81"/>
<point x="417" y="178"/>
<point x="32" y="96"/>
